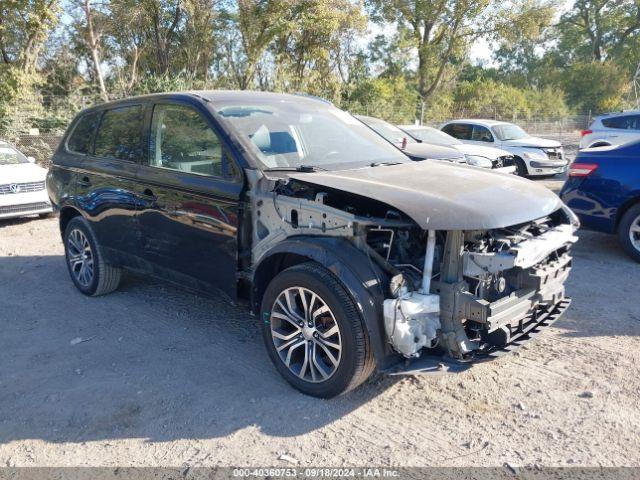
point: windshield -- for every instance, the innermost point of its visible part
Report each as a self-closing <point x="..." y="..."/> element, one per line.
<point x="509" y="131"/>
<point x="388" y="131"/>
<point x="290" y="134"/>
<point x="10" y="156"/>
<point x="432" y="135"/>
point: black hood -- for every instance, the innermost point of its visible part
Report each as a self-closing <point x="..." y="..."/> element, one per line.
<point x="443" y="196"/>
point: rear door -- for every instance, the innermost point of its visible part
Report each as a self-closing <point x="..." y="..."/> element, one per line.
<point x="106" y="183"/>
<point x="190" y="188"/>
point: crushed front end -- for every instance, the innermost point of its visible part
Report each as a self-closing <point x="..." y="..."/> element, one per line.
<point x="472" y="295"/>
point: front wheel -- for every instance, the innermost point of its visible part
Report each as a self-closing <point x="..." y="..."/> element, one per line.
<point x="313" y="332"/>
<point x="521" y="168"/>
<point x="629" y="232"/>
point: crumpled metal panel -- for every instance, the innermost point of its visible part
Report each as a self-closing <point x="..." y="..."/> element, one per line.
<point x="445" y="196"/>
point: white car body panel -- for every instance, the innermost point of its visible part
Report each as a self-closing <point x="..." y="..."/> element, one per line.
<point x="23" y="191"/>
<point x="530" y="145"/>
<point x="602" y="135"/>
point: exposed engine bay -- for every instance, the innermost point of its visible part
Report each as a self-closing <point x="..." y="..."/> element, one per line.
<point x="458" y="293"/>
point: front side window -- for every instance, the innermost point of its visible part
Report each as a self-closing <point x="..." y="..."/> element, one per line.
<point x="11" y="156"/>
<point x="82" y="135"/>
<point x="481" y="134"/>
<point x="120" y="133"/>
<point x="289" y="134"/>
<point x="461" y="131"/>
<point x="182" y="140"/>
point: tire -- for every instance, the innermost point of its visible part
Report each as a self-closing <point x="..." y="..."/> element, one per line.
<point x="521" y="168"/>
<point x="630" y="228"/>
<point x="321" y="377"/>
<point x="101" y="278"/>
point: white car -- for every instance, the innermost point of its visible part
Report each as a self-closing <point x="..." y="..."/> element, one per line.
<point x="534" y="156"/>
<point x="22" y="185"/>
<point x="478" y="155"/>
<point x="612" y="129"/>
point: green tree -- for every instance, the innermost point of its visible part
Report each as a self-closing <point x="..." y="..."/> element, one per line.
<point x="443" y="30"/>
<point x="596" y="87"/>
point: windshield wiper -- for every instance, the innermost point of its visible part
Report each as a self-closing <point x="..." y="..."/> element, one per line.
<point x="297" y="168"/>
<point x="378" y="164"/>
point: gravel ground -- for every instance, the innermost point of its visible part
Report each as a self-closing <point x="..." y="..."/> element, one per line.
<point x="154" y="376"/>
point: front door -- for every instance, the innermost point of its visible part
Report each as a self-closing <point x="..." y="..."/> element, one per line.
<point x="189" y="189"/>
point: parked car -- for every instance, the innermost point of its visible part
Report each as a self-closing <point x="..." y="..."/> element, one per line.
<point x="612" y="129"/>
<point x="478" y="155"/>
<point x="603" y="189"/>
<point x="353" y="257"/>
<point x="22" y="185"/>
<point x="412" y="148"/>
<point x="533" y="155"/>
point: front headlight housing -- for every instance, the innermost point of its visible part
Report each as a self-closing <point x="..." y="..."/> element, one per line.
<point x="478" y="161"/>
<point x="536" y="155"/>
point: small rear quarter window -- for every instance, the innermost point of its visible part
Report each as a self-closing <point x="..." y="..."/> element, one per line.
<point x="82" y="135"/>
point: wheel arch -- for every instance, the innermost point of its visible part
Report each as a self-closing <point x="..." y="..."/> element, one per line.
<point x="363" y="280"/>
<point x="599" y="143"/>
<point x="66" y="214"/>
<point x="624" y="208"/>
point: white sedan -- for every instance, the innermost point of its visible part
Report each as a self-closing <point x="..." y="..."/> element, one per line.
<point x="478" y="155"/>
<point x="534" y="155"/>
<point x="22" y="185"/>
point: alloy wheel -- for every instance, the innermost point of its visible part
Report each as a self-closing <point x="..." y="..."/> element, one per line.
<point x="306" y="334"/>
<point x="80" y="257"/>
<point x="634" y="233"/>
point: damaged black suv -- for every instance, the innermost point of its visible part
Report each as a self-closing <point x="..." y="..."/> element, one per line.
<point x="353" y="257"/>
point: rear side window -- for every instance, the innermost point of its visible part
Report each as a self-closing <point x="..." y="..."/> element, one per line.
<point x="82" y="134"/>
<point x="120" y="133"/>
<point x="458" y="130"/>
<point x="625" y="122"/>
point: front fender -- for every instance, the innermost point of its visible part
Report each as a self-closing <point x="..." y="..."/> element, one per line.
<point x="365" y="282"/>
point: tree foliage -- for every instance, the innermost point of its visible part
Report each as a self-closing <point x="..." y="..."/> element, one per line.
<point x="399" y="59"/>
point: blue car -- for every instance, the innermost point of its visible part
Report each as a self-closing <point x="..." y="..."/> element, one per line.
<point x="603" y="189"/>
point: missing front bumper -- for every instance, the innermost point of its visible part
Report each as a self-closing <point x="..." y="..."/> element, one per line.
<point x="525" y="331"/>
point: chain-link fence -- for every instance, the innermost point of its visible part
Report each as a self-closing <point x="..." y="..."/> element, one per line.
<point x="40" y="146"/>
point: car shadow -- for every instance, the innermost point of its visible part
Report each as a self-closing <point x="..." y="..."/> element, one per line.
<point x="148" y="361"/>
<point x="153" y="361"/>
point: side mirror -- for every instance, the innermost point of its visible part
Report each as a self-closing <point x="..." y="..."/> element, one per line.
<point x="31" y="159"/>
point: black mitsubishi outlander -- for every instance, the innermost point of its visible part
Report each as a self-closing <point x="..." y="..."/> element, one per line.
<point x="352" y="256"/>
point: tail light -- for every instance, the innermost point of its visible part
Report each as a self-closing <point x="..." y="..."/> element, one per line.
<point x="582" y="169"/>
<point x="585" y="132"/>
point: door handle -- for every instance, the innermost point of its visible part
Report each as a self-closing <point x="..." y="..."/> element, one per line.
<point x="85" y="182"/>
<point x="149" y="195"/>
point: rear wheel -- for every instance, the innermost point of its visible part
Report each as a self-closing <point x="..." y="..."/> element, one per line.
<point x="313" y="332"/>
<point x="629" y="232"/>
<point x="85" y="261"/>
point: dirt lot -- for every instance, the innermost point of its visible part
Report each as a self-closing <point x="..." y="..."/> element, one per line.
<point x="154" y="376"/>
